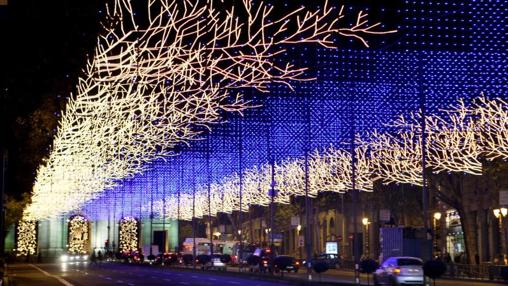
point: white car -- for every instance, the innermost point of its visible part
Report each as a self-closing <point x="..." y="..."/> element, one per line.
<point x="400" y="271"/>
<point x="216" y="263"/>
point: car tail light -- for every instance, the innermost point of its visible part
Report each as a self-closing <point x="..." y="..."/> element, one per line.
<point x="297" y="263"/>
<point x="396" y="271"/>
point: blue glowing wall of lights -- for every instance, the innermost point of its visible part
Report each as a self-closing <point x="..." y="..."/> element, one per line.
<point x="444" y="50"/>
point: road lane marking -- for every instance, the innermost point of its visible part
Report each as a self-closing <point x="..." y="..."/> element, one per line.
<point x="194" y="276"/>
<point x="234" y="282"/>
<point x="61" y="280"/>
<point x="168" y="280"/>
<point x="184" y="283"/>
<point x="212" y="279"/>
<point x="119" y="281"/>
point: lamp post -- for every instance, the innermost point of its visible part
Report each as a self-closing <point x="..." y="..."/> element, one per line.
<point x="499" y="214"/>
<point x="366" y="222"/>
<point x="437" y="217"/>
<point x="298" y="229"/>
<point x="267" y="238"/>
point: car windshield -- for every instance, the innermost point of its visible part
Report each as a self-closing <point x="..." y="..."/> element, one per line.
<point x="408" y="262"/>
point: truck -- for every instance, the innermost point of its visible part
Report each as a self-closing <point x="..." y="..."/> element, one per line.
<point x="404" y="241"/>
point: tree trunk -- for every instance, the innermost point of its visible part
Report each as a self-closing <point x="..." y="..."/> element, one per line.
<point x="469" y="227"/>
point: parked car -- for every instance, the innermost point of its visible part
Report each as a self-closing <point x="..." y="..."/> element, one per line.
<point x="286" y="263"/>
<point x="331" y="260"/>
<point x="404" y="270"/>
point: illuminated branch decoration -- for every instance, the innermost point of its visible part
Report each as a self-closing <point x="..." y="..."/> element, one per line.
<point x="129" y="234"/>
<point x="26" y="243"/>
<point x="152" y="81"/>
<point x="492" y="119"/>
<point x="396" y="159"/>
<point x="79" y="238"/>
<point x="332" y="170"/>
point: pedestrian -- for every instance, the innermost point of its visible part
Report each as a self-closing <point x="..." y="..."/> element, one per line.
<point x="93" y="258"/>
<point x="99" y="256"/>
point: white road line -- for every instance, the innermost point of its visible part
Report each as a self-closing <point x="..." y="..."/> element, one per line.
<point x="61" y="280"/>
<point x="194" y="276"/>
<point x="212" y="279"/>
<point x="184" y="283"/>
<point x="234" y="282"/>
<point x="119" y="281"/>
<point x="168" y="280"/>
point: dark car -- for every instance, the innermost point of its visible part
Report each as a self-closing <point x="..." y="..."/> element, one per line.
<point x="286" y="263"/>
<point x="331" y="260"/>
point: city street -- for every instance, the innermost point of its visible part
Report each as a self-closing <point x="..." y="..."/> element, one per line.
<point x="121" y="274"/>
<point x="118" y="274"/>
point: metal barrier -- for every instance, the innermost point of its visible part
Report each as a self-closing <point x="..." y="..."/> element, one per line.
<point x="484" y="271"/>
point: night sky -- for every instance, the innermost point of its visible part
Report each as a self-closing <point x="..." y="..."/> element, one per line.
<point x="43" y="47"/>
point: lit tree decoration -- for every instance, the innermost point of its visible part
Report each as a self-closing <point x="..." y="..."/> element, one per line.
<point x="79" y="238"/>
<point x="492" y="120"/>
<point x="331" y="171"/>
<point x="396" y="159"/>
<point x="129" y="234"/>
<point x="151" y="82"/>
<point x="451" y="139"/>
<point x="26" y="243"/>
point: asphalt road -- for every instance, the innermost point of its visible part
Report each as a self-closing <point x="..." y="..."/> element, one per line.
<point x="71" y="274"/>
<point x="118" y="274"/>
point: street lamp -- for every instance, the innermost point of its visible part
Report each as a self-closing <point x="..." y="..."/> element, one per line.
<point x="366" y="222"/>
<point x="298" y="229"/>
<point x="499" y="214"/>
<point x="437" y="217"/>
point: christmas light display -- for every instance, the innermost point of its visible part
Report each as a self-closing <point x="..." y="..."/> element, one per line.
<point x="79" y="237"/>
<point x="452" y="146"/>
<point x="151" y="82"/>
<point x="129" y="234"/>
<point x="26" y="242"/>
<point x="491" y="117"/>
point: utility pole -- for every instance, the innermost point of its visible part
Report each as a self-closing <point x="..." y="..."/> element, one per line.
<point x="2" y="202"/>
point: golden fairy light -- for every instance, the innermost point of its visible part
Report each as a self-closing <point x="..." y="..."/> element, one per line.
<point x="26" y="242"/>
<point x="79" y="237"/>
<point x="129" y="234"/>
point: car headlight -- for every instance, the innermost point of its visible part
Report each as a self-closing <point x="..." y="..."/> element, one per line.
<point x="64" y="258"/>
